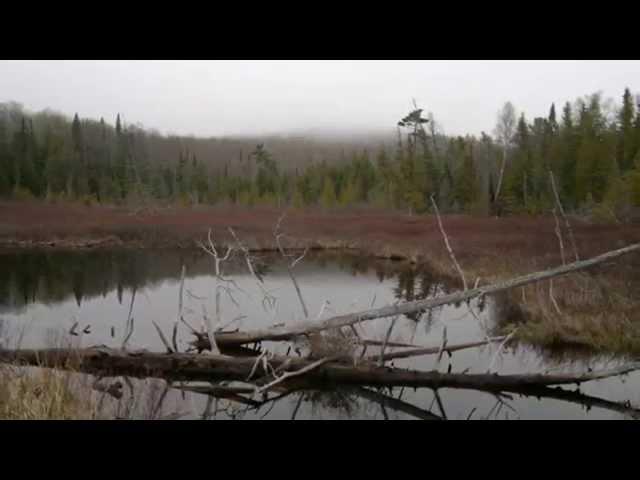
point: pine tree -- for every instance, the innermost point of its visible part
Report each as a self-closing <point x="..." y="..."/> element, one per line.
<point x="81" y="176"/>
<point x="5" y="158"/>
<point x="328" y="199"/>
<point x="466" y="189"/>
<point x="626" y="147"/>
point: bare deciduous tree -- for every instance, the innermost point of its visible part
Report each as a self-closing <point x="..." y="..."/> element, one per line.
<point x="504" y="132"/>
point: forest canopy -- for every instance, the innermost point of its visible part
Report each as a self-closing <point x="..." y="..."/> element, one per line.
<point x="592" y="146"/>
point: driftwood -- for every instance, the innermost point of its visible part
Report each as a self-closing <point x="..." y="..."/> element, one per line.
<point x="435" y="350"/>
<point x="201" y="343"/>
<point x="183" y="366"/>
<point x="305" y="328"/>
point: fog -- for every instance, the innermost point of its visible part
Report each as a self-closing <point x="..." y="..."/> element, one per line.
<point x="219" y="98"/>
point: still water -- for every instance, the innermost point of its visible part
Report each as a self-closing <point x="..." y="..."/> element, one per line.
<point x="43" y="294"/>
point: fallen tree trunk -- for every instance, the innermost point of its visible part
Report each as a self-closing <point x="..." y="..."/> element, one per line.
<point x="433" y="350"/>
<point x="191" y="367"/>
<point x="306" y="328"/>
<point x="202" y="343"/>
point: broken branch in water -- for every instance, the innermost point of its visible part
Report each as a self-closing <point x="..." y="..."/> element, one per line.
<point x="162" y="337"/>
<point x="499" y="350"/>
<point x="287" y="375"/>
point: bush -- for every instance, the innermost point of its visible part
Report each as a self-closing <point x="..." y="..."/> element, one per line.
<point x="88" y="200"/>
<point x="22" y="194"/>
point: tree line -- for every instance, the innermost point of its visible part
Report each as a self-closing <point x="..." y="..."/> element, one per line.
<point x="592" y="146"/>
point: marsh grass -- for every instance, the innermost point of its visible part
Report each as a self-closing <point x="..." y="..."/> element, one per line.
<point x="36" y="393"/>
<point x="597" y="311"/>
<point x="44" y="394"/>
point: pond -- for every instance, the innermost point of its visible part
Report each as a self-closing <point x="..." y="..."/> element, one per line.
<point x="43" y="294"/>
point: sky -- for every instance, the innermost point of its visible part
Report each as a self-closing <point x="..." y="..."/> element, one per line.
<point x="220" y="98"/>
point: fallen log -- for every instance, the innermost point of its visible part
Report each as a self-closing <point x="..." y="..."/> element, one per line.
<point x="433" y="350"/>
<point x="190" y="367"/>
<point x="309" y="327"/>
<point x="202" y="343"/>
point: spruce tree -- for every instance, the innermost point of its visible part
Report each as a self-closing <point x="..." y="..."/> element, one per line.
<point x="328" y="199"/>
<point x="626" y="135"/>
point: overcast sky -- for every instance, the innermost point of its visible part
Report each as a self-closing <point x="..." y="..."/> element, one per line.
<point x="208" y="98"/>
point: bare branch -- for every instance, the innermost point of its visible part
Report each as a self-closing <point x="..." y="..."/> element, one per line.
<point x="553" y="298"/>
<point x="162" y="337"/>
<point x="499" y="350"/>
<point x="564" y="216"/>
<point x="386" y="339"/>
<point x="559" y="235"/>
<point x="287" y="375"/>
<point x="446" y="242"/>
<point x="442" y="345"/>
<point x="129" y="323"/>
<point x="290" y="266"/>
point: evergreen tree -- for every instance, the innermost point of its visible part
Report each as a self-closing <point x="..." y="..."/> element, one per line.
<point x="626" y="147"/>
<point x="328" y="200"/>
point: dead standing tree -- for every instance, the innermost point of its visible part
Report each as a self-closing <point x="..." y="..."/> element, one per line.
<point x="504" y="131"/>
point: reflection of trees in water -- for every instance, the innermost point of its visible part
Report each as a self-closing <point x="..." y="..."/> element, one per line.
<point x="55" y="276"/>
<point x="407" y="290"/>
<point x="355" y="264"/>
<point x="341" y="402"/>
<point x="51" y="277"/>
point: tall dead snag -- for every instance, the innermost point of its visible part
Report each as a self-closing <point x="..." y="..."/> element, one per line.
<point x="290" y="266"/>
<point x="288" y="333"/>
<point x="446" y="243"/>
<point x="221" y="285"/>
<point x="504" y="131"/>
<point x="559" y="235"/>
<point x="564" y="216"/>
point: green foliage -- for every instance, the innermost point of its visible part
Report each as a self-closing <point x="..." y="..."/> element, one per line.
<point x="593" y="153"/>
<point x="22" y="194"/>
<point x="328" y="199"/>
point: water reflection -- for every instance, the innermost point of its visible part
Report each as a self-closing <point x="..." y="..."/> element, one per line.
<point x="81" y="278"/>
<point x="157" y="399"/>
<point x="50" y="277"/>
